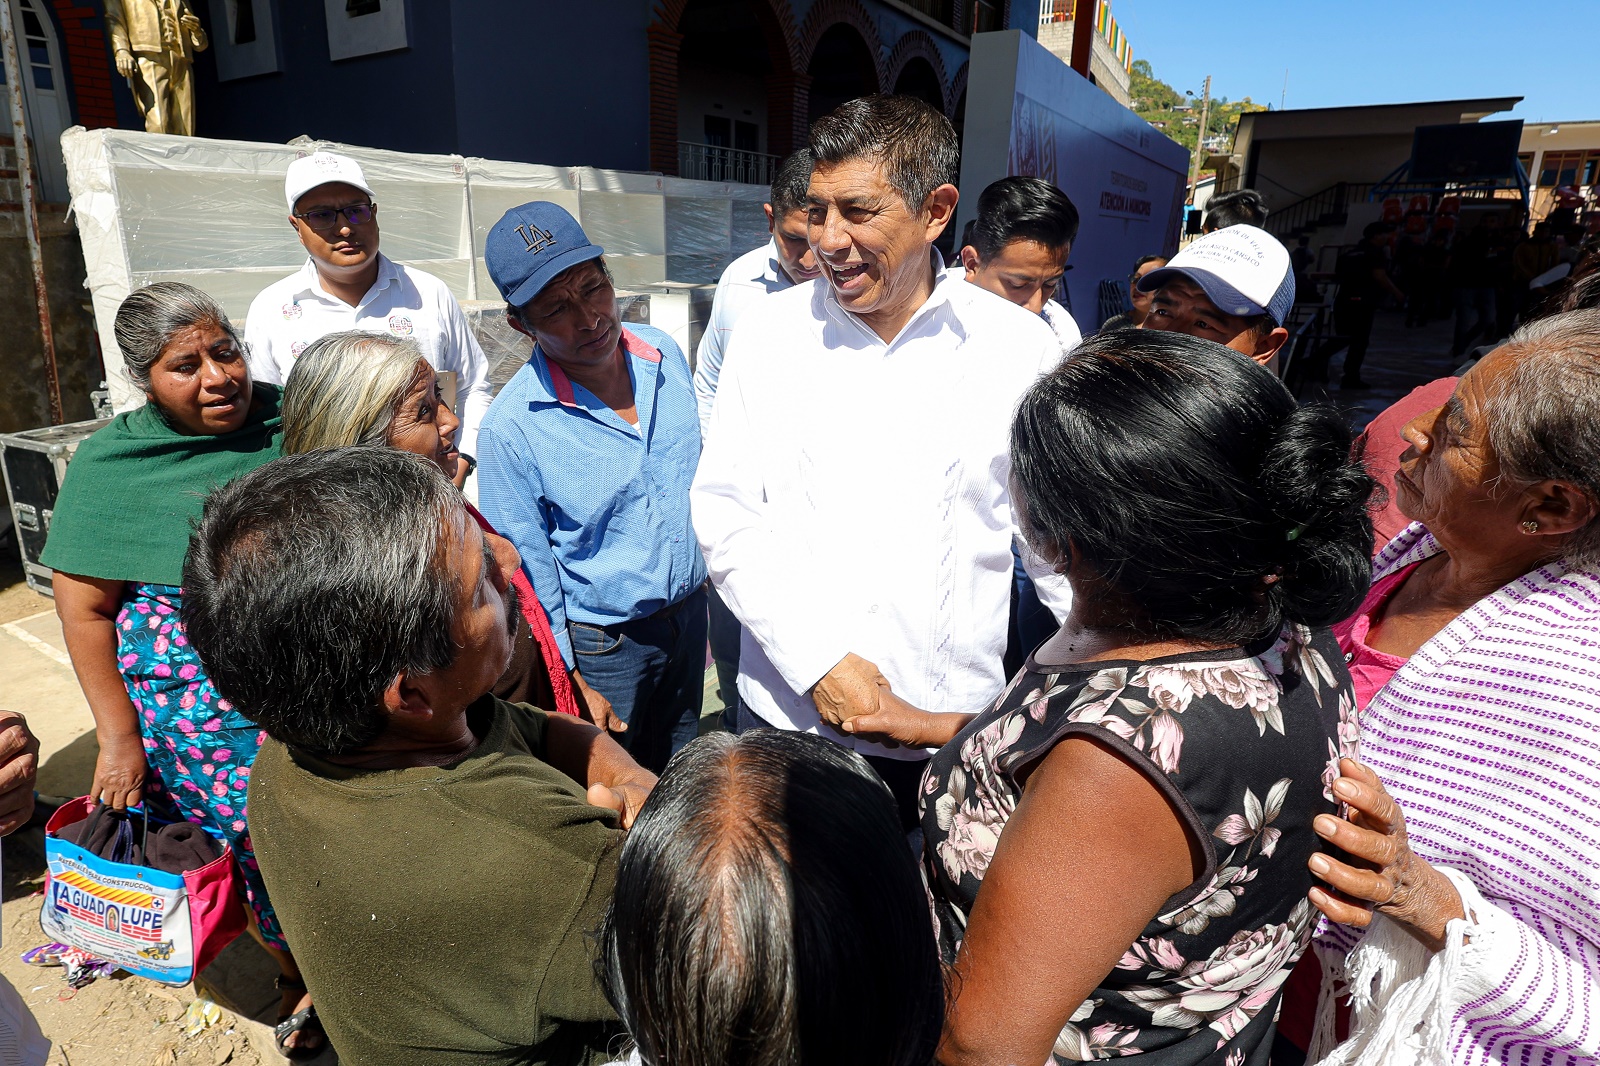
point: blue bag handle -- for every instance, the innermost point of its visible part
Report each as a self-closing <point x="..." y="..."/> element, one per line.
<point x="122" y="848"/>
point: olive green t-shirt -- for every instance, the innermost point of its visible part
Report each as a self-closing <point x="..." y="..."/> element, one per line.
<point x="442" y="915"/>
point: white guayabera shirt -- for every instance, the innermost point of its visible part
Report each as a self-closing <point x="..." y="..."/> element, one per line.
<point x="853" y="496"/>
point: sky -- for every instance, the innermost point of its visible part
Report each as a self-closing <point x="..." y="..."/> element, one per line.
<point x="1347" y="52"/>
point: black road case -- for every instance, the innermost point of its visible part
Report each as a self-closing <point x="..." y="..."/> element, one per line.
<point x="35" y="461"/>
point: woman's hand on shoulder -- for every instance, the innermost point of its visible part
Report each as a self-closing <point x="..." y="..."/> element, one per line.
<point x="625" y="796"/>
<point x="1386" y="874"/>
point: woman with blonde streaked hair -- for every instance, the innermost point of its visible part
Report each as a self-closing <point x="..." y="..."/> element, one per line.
<point x="356" y="388"/>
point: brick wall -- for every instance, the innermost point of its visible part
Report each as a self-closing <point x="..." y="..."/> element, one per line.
<point x="88" y="62"/>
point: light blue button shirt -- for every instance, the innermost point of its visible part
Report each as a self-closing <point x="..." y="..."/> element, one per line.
<point x="598" y="508"/>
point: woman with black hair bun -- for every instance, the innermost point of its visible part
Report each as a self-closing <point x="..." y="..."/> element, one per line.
<point x="1117" y="849"/>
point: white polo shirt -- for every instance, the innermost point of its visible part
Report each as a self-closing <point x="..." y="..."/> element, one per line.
<point x="853" y="496"/>
<point x="288" y="315"/>
<point x="748" y="279"/>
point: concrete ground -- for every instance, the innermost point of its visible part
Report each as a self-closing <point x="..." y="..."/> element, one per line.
<point x="113" y="1022"/>
<point x="1398" y="360"/>
<point x="133" y="1022"/>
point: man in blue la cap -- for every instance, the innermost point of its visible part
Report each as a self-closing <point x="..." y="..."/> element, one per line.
<point x="1234" y="286"/>
<point x="585" y="460"/>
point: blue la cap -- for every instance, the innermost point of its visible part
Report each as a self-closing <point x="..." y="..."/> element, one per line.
<point x="530" y="245"/>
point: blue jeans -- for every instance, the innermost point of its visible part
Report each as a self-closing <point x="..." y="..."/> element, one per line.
<point x="653" y="672"/>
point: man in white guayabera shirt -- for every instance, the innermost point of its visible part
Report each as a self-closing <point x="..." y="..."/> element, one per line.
<point x="784" y="261"/>
<point x="852" y="498"/>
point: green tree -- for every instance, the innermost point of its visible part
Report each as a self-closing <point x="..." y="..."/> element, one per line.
<point x="1178" y="115"/>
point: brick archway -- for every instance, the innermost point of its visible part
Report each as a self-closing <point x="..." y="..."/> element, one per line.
<point x="917" y="45"/>
<point x="786" y="84"/>
<point x="824" y="15"/>
<point x="958" y="85"/>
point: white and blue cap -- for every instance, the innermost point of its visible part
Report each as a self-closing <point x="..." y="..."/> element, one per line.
<point x="1243" y="269"/>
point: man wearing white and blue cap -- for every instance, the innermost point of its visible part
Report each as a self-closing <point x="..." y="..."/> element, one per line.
<point x="346" y="283"/>
<point x="1234" y="286"/>
<point x="585" y="461"/>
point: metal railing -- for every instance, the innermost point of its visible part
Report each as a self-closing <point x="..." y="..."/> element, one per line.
<point x="1328" y="207"/>
<point x="1308" y="328"/>
<point x="710" y="162"/>
<point x="941" y="11"/>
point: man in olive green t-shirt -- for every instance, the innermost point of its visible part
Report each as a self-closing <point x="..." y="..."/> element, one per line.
<point x="437" y="857"/>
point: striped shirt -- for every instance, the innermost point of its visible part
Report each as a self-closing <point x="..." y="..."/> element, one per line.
<point x="1489" y="739"/>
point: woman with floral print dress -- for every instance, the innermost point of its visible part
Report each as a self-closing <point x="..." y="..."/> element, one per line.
<point x="117" y="542"/>
<point x="1116" y="850"/>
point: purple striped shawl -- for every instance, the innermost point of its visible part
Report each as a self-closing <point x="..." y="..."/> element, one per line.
<point x="1489" y="739"/>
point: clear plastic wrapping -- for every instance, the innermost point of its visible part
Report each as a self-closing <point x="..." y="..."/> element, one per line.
<point x="152" y="207"/>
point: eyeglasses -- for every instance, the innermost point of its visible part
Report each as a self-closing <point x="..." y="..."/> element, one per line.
<point x="327" y="218"/>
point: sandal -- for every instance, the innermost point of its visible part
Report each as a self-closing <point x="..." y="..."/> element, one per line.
<point x="305" y="1021"/>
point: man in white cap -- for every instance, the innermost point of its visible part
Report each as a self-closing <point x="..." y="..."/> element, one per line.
<point x="346" y="283"/>
<point x="1234" y="286"/>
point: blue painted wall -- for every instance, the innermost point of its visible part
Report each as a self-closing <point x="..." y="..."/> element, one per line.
<point x="541" y="81"/>
<point x="561" y="82"/>
<point x="401" y="100"/>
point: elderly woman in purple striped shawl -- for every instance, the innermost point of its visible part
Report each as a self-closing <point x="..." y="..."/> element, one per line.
<point x="1469" y="878"/>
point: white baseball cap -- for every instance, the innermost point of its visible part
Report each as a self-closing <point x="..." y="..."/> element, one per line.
<point x="1243" y="269"/>
<point x="321" y="168"/>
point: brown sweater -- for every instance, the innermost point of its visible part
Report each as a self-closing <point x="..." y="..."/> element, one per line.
<point x="442" y="915"/>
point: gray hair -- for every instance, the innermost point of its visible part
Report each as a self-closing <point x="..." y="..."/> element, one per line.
<point x="315" y="580"/>
<point x="150" y="317"/>
<point x="1544" y="421"/>
<point x="916" y="144"/>
<point x="346" y="388"/>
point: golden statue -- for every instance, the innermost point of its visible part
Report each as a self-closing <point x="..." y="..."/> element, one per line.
<point x="154" y="42"/>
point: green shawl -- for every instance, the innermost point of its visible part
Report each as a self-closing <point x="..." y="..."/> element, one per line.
<point x="134" y="490"/>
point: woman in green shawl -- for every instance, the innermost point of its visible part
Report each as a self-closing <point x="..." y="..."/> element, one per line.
<point x="117" y="541"/>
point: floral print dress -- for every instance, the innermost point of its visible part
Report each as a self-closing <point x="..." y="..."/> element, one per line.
<point x="198" y="746"/>
<point x="1245" y="743"/>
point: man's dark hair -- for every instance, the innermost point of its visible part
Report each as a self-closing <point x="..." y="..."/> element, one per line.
<point x="1376" y="229"/>
<point x="1023" y="209"/>
<point x="768" y="913"/>
<point x="917" y="144"/>
<point x="313" y="581"/>
<point x="1244" y="207"/>
<point x="789" y="183"/>
<point x="1261" y="511"/>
